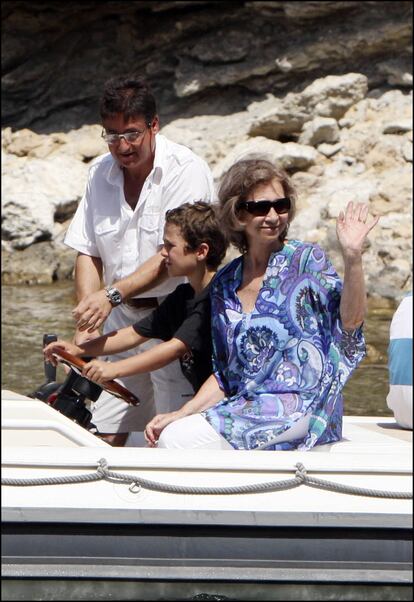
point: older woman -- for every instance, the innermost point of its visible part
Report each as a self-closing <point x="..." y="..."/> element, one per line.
<point x="286" y="332"/>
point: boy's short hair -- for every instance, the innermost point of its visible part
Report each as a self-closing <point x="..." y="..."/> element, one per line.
<point x="199" y="222"/>
<point x="130" y="96"/>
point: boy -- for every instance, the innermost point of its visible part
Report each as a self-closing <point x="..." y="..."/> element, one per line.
<point x="194" y="246"/>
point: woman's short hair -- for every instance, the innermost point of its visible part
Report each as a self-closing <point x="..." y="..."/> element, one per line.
<point x="129" y="96"/>
<point x="238" y="183"/>
<point x="199" y="223"/>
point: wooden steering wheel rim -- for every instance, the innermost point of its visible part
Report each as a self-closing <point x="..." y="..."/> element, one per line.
<point x="111" y="386"/>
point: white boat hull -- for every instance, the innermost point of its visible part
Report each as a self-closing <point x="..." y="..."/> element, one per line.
<point x="109" y="532"/>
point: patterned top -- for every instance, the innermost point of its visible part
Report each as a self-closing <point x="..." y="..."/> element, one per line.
<point x="286" y="359"/>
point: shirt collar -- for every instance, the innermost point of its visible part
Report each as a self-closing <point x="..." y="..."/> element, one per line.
<point x="114" y="174"/>
<point x="159" y="159"/>
<point x="200" y="297"/>
<point x="203" y="294"/>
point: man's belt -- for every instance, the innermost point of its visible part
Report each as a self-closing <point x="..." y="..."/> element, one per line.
<point x="142" y="302"/>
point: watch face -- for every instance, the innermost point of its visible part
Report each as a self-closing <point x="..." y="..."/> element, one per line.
<point x="114" y="296"/>
<point x="117" y="297"/>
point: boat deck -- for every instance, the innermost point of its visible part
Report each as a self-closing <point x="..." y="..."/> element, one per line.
<point x="136" y="543"/>
<point x="374" y="453"/>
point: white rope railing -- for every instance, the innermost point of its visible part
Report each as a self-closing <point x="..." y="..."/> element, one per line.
<point x="136" y="483"/>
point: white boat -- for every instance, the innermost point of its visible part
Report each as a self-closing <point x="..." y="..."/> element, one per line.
<point x="121" y="536"/>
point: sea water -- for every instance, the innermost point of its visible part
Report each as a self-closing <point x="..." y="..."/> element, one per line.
<point x="28" y="312"/>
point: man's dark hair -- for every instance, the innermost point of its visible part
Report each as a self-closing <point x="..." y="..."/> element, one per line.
<point x="199" y="223"/>
<point x="130" y="96"/>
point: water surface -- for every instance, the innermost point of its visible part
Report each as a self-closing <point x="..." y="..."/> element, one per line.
<point x="28" y="312"/>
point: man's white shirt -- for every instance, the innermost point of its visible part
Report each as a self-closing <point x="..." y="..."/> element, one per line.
<point x="105" y="226"/>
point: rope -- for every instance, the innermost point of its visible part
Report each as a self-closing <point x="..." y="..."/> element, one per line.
<point x="301" y="478"/>
<point x="349" y="489"/>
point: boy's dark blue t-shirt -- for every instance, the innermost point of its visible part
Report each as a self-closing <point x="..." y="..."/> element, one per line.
<point x="184" y="316"/>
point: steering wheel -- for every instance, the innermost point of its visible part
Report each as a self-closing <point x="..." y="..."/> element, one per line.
<point x="111" y="386"/>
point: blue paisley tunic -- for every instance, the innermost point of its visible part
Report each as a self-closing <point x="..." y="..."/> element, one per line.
<point x="287" y="359"/>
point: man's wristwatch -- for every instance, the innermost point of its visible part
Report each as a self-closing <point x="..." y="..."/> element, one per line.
<point x="114" y="296"/>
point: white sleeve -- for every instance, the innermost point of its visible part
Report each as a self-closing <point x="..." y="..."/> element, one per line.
<point x="400" y="364"/>
<point x="80" y="234"/>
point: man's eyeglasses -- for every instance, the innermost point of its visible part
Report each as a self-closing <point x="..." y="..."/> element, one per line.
<point x="128" y="136"/>
<point x="263" y="207"/>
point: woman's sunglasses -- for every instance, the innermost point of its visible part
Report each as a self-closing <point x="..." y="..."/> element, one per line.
<point x="263" y="207"/>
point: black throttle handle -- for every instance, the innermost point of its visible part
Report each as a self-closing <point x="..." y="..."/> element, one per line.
<point x="50" y="370"/>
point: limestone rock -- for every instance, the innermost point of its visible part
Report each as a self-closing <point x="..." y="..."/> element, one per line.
<point x="321" y="129"/>
<point x="197" y="55"/>
<point x="328" y="97"/>
<point x="407" y="151"/>
<point x="277" y="118"/>
<point x="333" y="95"/>
<point x="290" y="156"/>
<point x="34" y="191"/>
<point x="41" y="263"/>
<point x="398" y="127"/>
<point x="329" y="149"/>
<point x="370" y="162"/>
<point x="212" y="137"/>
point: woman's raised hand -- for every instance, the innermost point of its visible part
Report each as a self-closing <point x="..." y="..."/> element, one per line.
<point x="352" y="227"/>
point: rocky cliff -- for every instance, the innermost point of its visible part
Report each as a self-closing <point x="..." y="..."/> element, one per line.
<point x="323" y="87"/>
<point x="201" y="57"/>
